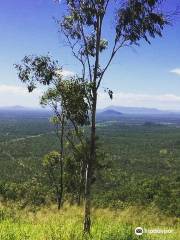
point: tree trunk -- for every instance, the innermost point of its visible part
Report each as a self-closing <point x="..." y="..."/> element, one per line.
<point x="92" y="158"/>
<point x="61" y="184"/>
<point x="89" y="169"/>
<point x="61" y="164"/>
<point x="59" y="201"/>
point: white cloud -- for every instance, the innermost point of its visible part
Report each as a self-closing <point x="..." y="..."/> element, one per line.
<point x="65" y="73"/>
<point x="11" y="89"/>
<point x="176" y="71"/>
<point x="16" y="90"/>
<point x="164" y="101"/>
<point x="18" y="95"/>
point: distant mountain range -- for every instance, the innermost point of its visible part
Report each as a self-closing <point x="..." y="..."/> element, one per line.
<point x="135" y="110"/>
<point x="114" y="111"/>
<point x="111" y="112"/>
<point x="20" y="108"/>
<point x="128" y="115"/>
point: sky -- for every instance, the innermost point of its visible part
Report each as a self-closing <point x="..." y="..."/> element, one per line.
<point x="144" y="76"/>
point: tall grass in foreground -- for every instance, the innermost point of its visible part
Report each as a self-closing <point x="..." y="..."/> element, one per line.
<point x="49" y="224"/>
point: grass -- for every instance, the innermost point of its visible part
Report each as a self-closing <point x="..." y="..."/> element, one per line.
<point x="49" y="224"/>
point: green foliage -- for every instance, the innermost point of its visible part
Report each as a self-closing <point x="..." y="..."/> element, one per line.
<point x="75" y="95"/>
<point x="72" y="96"/>
<point x="51" y="160"/>
<point x="38" y="69"/>
<point x="53" y="166"/>
<point x="74" y="168"/>
<point x="138" y="20"/>
<point x="83" y="25"/>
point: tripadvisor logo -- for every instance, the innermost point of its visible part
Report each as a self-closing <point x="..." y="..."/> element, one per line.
<point x="139" y="231"/>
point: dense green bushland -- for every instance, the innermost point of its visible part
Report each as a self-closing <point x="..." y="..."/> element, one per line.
<point x="141" y="165"/>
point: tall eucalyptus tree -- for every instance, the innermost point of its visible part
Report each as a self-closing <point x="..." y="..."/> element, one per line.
<point x="84" y="26"/>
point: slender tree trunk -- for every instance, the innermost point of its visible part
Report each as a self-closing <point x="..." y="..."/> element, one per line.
<point x="79" y="192"/>
<point x="61" y="182"/>
<point x="92" y="158"/>
<point x="59" y="200"/>
<point x="89" y="169"/>
<point x="60" y="193"/>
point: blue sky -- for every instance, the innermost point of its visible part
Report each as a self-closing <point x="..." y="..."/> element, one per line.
<point x="147" y="76"/>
